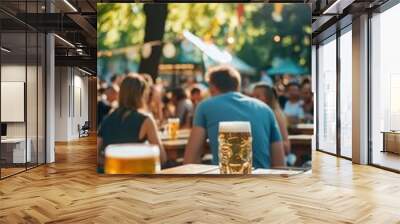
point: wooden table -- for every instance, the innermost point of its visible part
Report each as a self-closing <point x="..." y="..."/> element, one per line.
<point x="391" y="141"/>
<point x="213" y="169"/>
<point x="301" y="147"/>
<point x="14" y="152"/>
<point x="182" y="134"/>
<point x="175" y="147"/>
<point x="301" y="129"/>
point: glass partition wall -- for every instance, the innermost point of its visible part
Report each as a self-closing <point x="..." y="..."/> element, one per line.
<point x="334" y="104"/>
<point x="13" y="86"/>
<point x="22" y="88"/>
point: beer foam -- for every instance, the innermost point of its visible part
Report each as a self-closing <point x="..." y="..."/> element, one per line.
<point x="173" y="120"/>
<point x="132" y="151"/>
<point x="235" y="126"/>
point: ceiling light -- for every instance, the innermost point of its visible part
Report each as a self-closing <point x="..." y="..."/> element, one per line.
<point x="80" y="51"/>
<point x="70" y="5"/>
<point x="84" y="71"/>
<point x="337" y="7"/>
<point x="5" y="50"/>
<point x="331" y="7"/>
<point x="64" y="40"/>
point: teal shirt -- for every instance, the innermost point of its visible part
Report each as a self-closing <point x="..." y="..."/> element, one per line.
<point x="234" y="106"/>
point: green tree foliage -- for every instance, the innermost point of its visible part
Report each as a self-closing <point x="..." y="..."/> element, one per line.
<point x="293" y="32"/>
<point x="121" y="25"/>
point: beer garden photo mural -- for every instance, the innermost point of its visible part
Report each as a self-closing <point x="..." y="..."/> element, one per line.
<point x="204" y="88"/>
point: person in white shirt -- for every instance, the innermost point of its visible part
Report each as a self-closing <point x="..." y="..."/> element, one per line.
<point x="294" y="106"/>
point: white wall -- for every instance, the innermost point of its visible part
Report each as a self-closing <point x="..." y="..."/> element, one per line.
<point x="80" y="96"/>
<point x="71" y="102"/>
<point x="14" y="73"/>
<point x="50" y="94"/>
<point x="61" y="103"/>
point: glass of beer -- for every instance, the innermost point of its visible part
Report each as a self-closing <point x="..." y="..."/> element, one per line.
<point x="173" y="127"/>
<point x="235" y="147"/>
<point x="132" y="159"/>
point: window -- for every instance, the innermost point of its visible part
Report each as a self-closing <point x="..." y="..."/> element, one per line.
<point x="346" y="93"/>
<point x="327" y="96"/>
<point x="385" y="86"/>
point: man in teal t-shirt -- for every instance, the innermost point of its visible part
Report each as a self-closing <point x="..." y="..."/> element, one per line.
<point x="228" y="104"/>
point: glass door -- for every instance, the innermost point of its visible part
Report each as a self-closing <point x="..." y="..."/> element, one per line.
<point x="326" y="104"/>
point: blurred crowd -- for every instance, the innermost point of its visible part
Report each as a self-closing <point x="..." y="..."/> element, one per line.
<point x="134" y="107"/>
<point x="290" y="97"/>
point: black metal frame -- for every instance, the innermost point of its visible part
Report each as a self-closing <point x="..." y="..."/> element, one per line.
<point x="26" y="90"/>
<point x="338" y="98"/>
<point x="37" y="92"/>
<point x="369" y="78"/>
<point x="316" y="97"/>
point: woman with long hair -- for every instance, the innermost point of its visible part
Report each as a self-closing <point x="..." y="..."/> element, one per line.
<point x="268" y="95"/>
<point x="127" y="124"/>
<point x="153" y="98"/>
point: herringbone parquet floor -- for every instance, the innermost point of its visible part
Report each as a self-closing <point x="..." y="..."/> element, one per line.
<point x="70" y="191"/>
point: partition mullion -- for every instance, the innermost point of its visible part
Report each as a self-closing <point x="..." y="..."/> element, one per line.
<point x="338" y="95"/>
<point x="1" y="163"/>
<point x="26" y="88"/>
<point x="37" y="94"/>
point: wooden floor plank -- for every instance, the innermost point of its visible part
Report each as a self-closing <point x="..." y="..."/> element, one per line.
<point x="70" y="191"/>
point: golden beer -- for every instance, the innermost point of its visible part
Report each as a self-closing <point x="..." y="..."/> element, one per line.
<point x="235" y="147"/>
<point x="132" y="159"/>
<point x="173" y="127"/>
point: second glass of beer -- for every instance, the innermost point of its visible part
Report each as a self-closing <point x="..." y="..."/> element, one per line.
<point x="173" y="126"/>
<point x="235" y="147"/>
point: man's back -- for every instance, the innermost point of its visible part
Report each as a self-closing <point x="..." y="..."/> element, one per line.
<point x="234" y="106"/>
